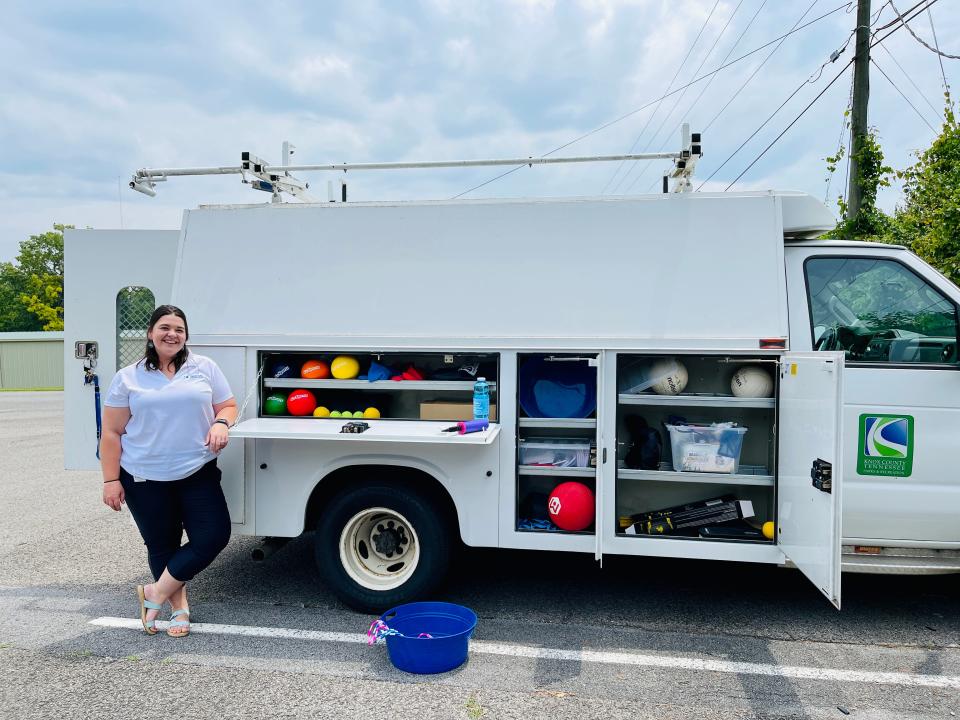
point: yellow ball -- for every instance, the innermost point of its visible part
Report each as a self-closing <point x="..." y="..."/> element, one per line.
<point x="344" y="367"/>
<point x="767" y="530"/>
<point x="371" y="412"/>
<point x="321" y="412"/>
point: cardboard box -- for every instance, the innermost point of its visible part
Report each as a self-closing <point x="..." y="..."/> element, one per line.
<point x="451" y="411"/>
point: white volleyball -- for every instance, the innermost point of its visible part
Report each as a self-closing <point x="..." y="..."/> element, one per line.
<point x="670" y="376"/>
<point x="751" y="381"/>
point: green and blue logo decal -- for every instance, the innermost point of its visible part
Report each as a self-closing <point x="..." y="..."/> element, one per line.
<point x="886" y="445"/>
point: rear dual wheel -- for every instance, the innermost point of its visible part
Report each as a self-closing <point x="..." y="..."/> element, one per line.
<point x="378" y="546"/>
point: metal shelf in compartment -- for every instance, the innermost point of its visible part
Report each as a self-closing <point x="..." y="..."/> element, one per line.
<point x="581" y="472"/>
<point x="670" y="475"/>
<point x="704" y="400"/>
<point x="559" y="423"/>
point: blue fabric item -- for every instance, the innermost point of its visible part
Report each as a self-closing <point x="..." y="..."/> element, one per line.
<point x="377" y="372"/>
<point x="557" y="389"/>
<point x="730" y="444"/>
<point x="536" y="524"/>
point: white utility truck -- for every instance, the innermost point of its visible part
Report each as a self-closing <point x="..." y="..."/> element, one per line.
<point x="562" y="303"/>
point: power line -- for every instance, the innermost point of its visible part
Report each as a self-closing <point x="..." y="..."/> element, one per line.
<point x="902" y="95"/>
<point x="792" y="123"/>
<point x="714" y="77"/>
<point x="910" y="79"/>
<point x="670" y="85"/>
<point x="849" y="146"/>
<point x="666" y="117"/>
<point x="937" y="45"/>
<point x="811" y="104"/>
<point x="800" y="87"/>
<point x="900" y="17"/>
<point x="754" y="73"/>
<point x="652" y="102"/>
<point x="840" y="142"/>
<point x="904" y="15"/>
<point x="878" y="13"/>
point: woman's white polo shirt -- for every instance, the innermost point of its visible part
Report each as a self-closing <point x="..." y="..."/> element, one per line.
<point x="169" y="419"/>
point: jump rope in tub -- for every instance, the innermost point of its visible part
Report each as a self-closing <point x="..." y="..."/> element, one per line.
<point x="425" y="637"/>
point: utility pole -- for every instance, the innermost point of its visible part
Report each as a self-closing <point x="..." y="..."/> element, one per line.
<point x="858" y="113"/>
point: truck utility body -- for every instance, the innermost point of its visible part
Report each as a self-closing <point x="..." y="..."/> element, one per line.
<point x="858" y="341"/>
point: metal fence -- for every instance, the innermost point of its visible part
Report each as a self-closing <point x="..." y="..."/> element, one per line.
<point x="134" y="307"/>
<point x="31" y="360"/>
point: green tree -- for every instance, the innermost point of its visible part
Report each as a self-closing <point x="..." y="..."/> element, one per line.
<point x="14" y="316"/>
<point x="928" y="222"/>
<point x="928" y="219"/>
<point x="870" y="223"/>
<point x="31" y="287"/>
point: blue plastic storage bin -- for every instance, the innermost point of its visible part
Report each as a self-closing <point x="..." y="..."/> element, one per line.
<point x="449" y="628"/>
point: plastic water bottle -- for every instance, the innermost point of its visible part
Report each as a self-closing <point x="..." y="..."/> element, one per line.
<point x="481" y="399"/>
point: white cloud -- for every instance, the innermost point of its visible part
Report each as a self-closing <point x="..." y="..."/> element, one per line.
<point x="312" y="74"/>
<point x="95" y="92"/>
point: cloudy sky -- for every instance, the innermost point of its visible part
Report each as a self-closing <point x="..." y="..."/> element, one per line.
<point x="92" y="91"/>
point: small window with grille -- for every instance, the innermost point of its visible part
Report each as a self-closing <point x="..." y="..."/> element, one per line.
<point x="135" y="305"/>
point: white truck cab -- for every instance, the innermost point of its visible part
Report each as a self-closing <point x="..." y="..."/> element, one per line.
<point x="895" y="319"/>
<point x="564" y="306"/>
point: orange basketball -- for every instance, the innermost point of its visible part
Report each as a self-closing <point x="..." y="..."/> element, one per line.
<point x="315" y="370"/>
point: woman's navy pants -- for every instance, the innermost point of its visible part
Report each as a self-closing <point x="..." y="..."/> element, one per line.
<point x="163" y="509"/>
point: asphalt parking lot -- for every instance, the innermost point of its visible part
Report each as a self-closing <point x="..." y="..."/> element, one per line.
<point x="558" y="637"/>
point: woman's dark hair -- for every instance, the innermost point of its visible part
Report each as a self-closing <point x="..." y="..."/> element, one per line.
<point x="151" y="359"/>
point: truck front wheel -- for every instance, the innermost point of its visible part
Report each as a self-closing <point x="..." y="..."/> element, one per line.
<point x="380" y="546"/>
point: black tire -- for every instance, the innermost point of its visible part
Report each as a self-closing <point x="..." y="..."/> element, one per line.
<point x="431" y="532"/>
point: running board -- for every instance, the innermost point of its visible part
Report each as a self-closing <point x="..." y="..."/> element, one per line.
<point x="904" y="562"/>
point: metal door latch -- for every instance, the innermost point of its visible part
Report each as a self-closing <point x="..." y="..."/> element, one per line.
<point x="85" y="350"/>
<point x="822" y="475"/>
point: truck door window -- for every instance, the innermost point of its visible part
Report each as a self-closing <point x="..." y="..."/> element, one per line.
<point x="878" y="310"/>
<point x="135" y="305"/>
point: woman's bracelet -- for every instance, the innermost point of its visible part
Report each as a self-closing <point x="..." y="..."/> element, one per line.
<point x="110" y="481"/>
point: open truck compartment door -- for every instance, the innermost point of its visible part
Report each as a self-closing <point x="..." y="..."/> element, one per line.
<point x="810" y="466"/>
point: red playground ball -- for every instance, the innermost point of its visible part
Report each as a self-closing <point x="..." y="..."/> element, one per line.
<point x="571" y="506"/>
<point x="301" y="402"/>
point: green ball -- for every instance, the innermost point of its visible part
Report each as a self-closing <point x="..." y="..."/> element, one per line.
<point x="335" y="414"/>
<point x="346" y="414"/>
<point x="275" y="404"/>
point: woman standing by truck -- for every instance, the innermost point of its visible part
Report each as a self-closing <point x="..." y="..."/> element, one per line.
<point x="165" y="420"/>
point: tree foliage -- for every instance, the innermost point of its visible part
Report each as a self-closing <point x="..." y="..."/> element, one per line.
<point x="31" y="287"/>
<point x="928" y="219"/>
<point x="870" y="223"/>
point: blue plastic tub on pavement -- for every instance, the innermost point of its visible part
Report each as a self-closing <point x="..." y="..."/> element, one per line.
<point x="433" y="637"/>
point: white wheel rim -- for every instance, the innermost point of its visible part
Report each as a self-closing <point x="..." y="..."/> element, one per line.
<point x="379" y="549"/>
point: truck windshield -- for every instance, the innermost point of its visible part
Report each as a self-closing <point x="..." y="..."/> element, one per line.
<point x="878" y="310"/>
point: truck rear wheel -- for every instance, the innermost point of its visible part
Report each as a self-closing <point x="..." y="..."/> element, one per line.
<point x="379" y="546"/>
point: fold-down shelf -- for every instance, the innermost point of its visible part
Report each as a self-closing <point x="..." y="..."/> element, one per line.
<point x="396" y="431"/>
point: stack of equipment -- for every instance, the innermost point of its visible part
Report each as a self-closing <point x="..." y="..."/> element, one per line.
<point x="687" y="519"/>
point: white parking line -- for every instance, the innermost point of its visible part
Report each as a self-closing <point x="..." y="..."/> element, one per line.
<point x="481" y="647"/>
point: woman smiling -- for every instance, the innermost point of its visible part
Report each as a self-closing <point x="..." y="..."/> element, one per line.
<point x="165" y="420"/>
